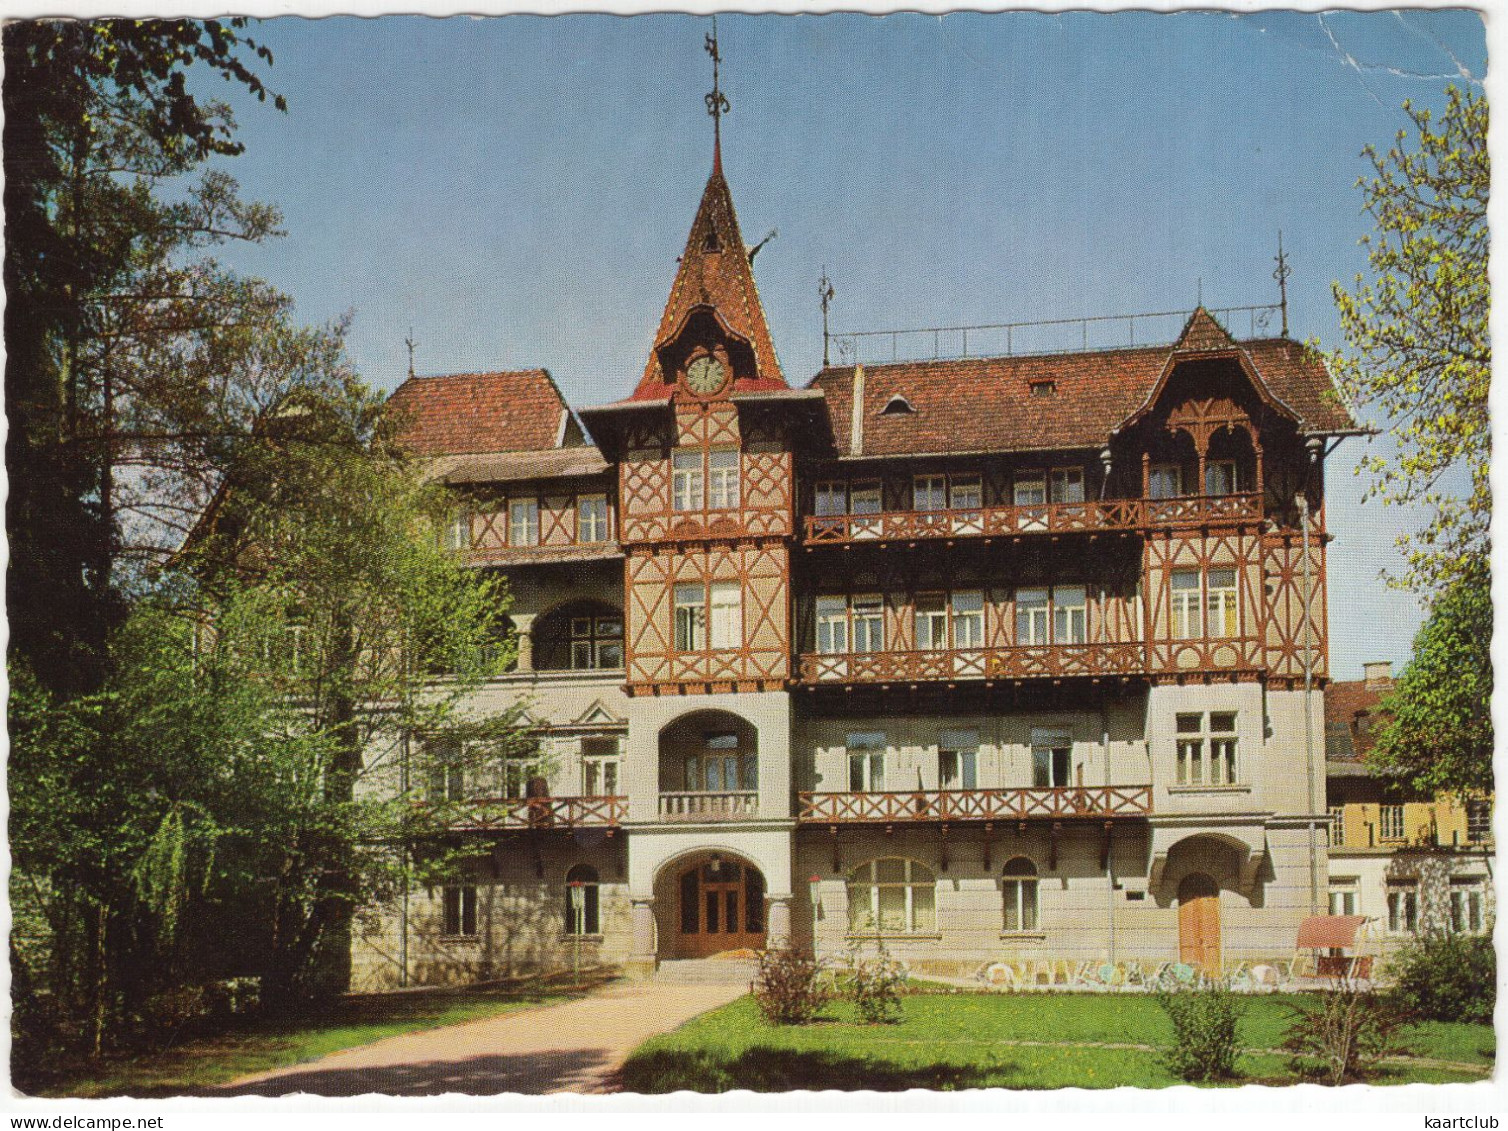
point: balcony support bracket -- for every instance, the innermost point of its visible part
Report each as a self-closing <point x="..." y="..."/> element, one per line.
<point x="1052" y="851"/>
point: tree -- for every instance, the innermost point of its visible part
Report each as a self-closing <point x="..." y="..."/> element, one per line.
<point x="1438" y="738"/>
<point x="97" y="116"/>
<point x="1422" y="355"/>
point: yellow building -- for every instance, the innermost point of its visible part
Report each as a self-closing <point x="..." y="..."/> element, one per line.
<point x="1412" y="864"/>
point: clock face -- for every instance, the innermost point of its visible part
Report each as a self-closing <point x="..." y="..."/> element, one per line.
<point x="705" y="375"/>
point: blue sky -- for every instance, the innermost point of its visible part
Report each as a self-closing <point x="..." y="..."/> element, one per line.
<point x="517" y="189"/>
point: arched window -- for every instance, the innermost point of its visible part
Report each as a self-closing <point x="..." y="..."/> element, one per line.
<point x="582" y="901"/>
<point x="581" y="636"/>
<point x="893" y="895"/>
<point x="1018" y="883"/>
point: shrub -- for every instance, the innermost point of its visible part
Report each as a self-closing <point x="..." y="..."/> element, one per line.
<point x="875" y="986"/>
<point x="1446" y="977"/>
<point x="787" y="987"/>
<point x="1342" y="1038"/>
<point x="1204" y="1031"/>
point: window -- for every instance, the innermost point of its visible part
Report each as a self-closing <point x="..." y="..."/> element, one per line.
<point x="929" y="493"/>
<point x="832" y="625"/>
<point x="1164" y="481"/>
<point x="1018" y="884"/>
<point x="1337" y="826"/>
<point x="1403" y="908"/>
<point x="1070" y="612"/>
<point x="1224" y="614"/>
<point x="1220" y="477"/>
<point x="690" y="618"/>
<point x="931" y="621"/>
<point x="865" y="498"/>
<point x="727" y="614"/>
<point x="968" y="619"/>
<point x="686" y="480"/>
<point x="458" y="531"/>
<point x="583" y="902"/>
<point x="722" y="766"/>
<point x="1066" y="485"/>
<point x="459" y="911"/>
<point x="599" y="767"/>
<point x="591" y="518"/>
<point x="517" y="774"/>
<point x="1478" y="822"/>
<point x="722" y="479"/>
<point x="1043" y="388"/>
<point x="958" y="759"/>
<point x="1206" y="755"/>
<point x="831" y="499"/>
<point x="868" y="623"/>
<point x="447" y="782"/>
<point x="1031" y="617"/>
<point x="891" y="895"/>
<point x="866" y="762"/>
<point x="965" y="493"/>
<point x="1052" y="755"/>
<point x="897" y="406"/>
<point x="1186" y="620"/>
<point x="596" y="642"/>
<point x="1030" y="489"/>
<point x="523" y="522"/>
<point x="1467" y="905"/>
<point x="1343" y="895"/>
<point x="1390" y="822"/>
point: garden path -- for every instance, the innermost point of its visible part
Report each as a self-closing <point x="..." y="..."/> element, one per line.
<point x="576" y="1046"/>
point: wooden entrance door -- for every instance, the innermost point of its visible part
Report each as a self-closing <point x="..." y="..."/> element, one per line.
<point x="722" y="908"/>
<point x="1199" y="922"/>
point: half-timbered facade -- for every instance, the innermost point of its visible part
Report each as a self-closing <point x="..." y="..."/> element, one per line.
<point x="1008" y="658"/>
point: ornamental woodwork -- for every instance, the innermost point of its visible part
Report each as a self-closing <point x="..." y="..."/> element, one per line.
<point x="974" y="804"/>
<point x="1289" y="619"/>
<point x="1235" y="551"/>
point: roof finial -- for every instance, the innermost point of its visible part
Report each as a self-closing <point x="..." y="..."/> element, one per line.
<point x="1281" y="275"/>
<point x="410" y="343"/>
<point x="717" y="102"/>
<point x="825" y="295"/>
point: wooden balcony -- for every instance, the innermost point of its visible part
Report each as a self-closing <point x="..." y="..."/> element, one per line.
<point x="1044" y="661"/>
<point x="1015" y="521"/>
<point x="487" y="814"/>
<point x="1098" y="801"/>
<point x="709" y="806"/>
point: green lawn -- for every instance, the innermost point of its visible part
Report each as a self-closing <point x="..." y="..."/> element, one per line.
<point x="266" y="1044"/>
<point x="951" y="1041"/>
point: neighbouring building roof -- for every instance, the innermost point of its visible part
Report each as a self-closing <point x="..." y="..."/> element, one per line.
<point x="468" y="413"/>
<point x="1352" y="718"/>
<point x="1079" y="399"/>
<point x="503" y="467"/>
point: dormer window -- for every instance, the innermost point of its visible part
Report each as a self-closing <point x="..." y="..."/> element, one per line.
<point x="712" y="243"/>
<point x="1043" y="388"/>
<point x="897" y="406"/>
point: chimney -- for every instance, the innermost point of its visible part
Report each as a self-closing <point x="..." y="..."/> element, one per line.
<point x="856" y="426"/>
<point x="1378" y="675"/>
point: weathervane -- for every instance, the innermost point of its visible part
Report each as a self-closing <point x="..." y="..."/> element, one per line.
<point x="410" y="343"/>
<point x="825" y="294"/>
<point x="1281" y="275"/>
<point x="717" y="101"/>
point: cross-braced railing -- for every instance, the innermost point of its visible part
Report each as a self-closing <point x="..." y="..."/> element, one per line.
<point x="487" y="813"/>
<point x="1036" y="661"/>
<point x="975" y="804"/>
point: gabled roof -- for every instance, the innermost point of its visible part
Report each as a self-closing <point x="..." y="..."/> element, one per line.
<point x="1055" y="401"/>
<point x="715" y="274"/>
<point x="1352" y="718"/>
<point x="521" y="410"/>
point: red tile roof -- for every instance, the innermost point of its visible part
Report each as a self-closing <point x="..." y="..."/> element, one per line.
<point x="1352" y="718"/>
<point x="988" y="404"/>
<point x="715" y="272"/>
<point x="480" y="412"/>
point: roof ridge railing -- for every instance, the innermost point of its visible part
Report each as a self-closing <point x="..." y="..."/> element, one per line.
<point x="856" y="346"/>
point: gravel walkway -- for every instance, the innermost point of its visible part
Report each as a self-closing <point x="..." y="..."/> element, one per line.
<point x="577" y="1046"/>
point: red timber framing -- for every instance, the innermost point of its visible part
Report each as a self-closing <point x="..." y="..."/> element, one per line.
<point x="1179" y="642"/>
<point x="974" y="805"/>
<point x="1052" y="661"/>
<point x="746" y="544"/>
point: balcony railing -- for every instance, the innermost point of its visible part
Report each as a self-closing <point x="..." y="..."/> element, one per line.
<point x="975" y="804"/>
<point x="1043" y="661"/>
<point x="709" y="806"/>
<point x="488" y="813"/>
<point x="1045" y="518"/>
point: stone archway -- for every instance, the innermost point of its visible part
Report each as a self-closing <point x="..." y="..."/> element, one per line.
<point x="710" y="902"/>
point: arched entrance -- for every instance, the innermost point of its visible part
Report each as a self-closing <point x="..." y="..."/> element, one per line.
<point x="1199" y="922"/>
<point x="716" y="904"/>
